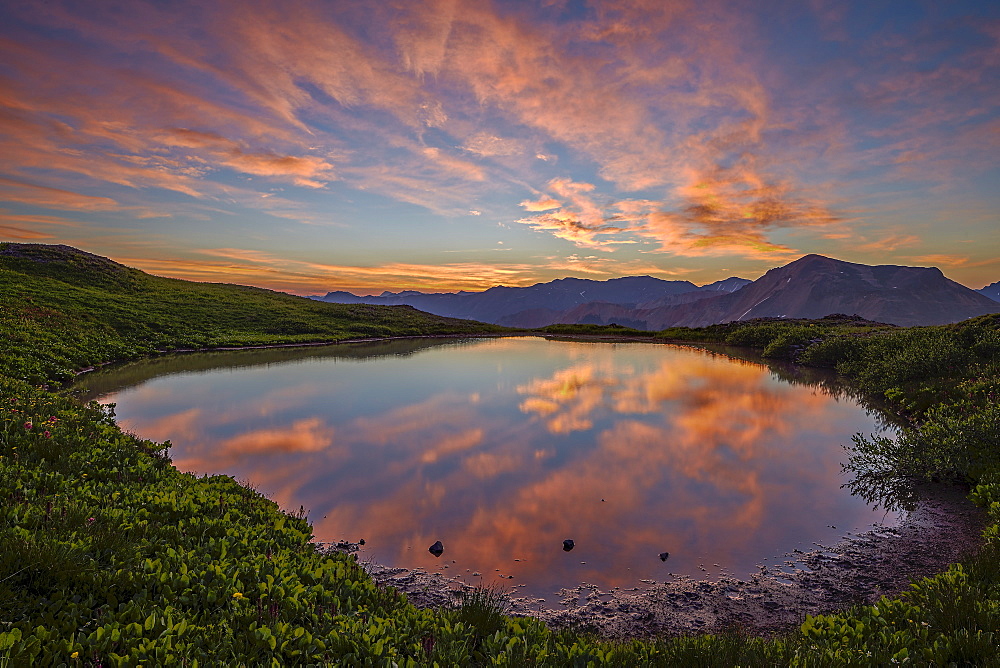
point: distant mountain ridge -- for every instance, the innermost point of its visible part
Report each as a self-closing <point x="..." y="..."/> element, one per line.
<point x="992" y="291"/>
<point x="542" y="299"/>
<point x="815" y="286"/>
<point x="811" y="287"/>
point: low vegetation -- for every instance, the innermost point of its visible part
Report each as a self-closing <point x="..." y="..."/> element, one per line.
<point x="63" y="310"/>
<point x="110" y="556"/>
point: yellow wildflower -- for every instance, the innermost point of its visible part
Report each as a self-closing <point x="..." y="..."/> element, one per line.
<point x="237" y="596"/>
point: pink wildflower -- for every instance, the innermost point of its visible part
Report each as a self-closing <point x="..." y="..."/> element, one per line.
<point x="91" y="520"/>
<point x="28" y="425"/>
<point x="47" y="434"/>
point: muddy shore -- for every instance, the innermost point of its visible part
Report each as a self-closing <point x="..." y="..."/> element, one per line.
<point x="944" y="528"/>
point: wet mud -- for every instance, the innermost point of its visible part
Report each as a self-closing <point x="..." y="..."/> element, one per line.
<point x="944" y="528"/>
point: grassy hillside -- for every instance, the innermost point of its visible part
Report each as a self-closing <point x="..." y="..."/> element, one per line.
<point x="110" y="556"/>
<point x="62" y="310"/>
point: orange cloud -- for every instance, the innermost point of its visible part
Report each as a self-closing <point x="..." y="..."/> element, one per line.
<point x="187" y="424"/>
<point x="567" y="400"/>
<point x="455" y="97"/>
<point x="886" y="244"/>
<point x="12" y="190"/>
<point x="21" y="233"/>
<point x="543" y="204"/>
<point x="940" y="260"/>
<point x="453" y="443"/>
<point x="581" y="221"/>
<point x="38" y="220"/>
<point x="302" y="170"/>
<point x="727" y="211"/>
<point x="306" y="435"/>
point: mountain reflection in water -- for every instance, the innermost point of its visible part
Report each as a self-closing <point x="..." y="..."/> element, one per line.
<point x="503" y="448"/>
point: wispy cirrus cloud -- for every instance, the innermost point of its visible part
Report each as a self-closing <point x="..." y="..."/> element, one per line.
<point x="11" y="225"/>
<point x="22" y="192"/>
<point x="884" y="244"/>
<point x="489" y="145"/>
<point x="22" y="233"/>
<point x="699" y="129"/>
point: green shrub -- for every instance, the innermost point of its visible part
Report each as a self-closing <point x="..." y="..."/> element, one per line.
<point x="110" y="556"/>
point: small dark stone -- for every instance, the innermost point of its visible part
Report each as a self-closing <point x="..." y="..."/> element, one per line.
<point x="361" y="542"/>
<point x="437" y="549"/>
<point x="568" y="545"/>
<point x="664" y="555"/>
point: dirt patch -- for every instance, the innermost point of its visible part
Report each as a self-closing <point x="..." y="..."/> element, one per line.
<point x="944" y="528"/>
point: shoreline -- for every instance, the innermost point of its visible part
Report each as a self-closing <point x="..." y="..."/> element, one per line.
<point x="609" y="338"/>
<point x="944" y="528"/>
<point x="273" y="346"/>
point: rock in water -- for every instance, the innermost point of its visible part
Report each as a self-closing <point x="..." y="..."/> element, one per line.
<point x="437" y="549"/>
<point x="664" y="555"/>
<point x="568" y="545"/>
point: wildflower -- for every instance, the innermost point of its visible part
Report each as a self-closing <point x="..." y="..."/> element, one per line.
<point x="47" y="434"/>
<point x="237" y="595"/>
<point x="28" y="425"/>
<point x="74" y="655"/>
<point x="91" y="520"/>
<point x="53" y="419"/>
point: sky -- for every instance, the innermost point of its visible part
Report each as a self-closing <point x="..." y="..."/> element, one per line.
<point x="440" y="145"/>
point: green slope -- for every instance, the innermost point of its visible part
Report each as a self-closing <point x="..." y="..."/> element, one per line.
<point x="63" y="309"/>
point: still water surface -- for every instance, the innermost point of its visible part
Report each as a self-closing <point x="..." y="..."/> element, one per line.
<point x="503" y="448"/>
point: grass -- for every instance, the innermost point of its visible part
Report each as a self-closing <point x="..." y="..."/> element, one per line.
<point x="63" y="310"/>
<point x="110" y="556"/>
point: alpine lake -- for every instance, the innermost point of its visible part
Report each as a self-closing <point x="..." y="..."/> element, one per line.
<point x="655" y="460"/>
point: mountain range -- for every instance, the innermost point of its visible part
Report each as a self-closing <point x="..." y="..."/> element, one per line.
<point x="992" y="291"/>
<point x="811" y="287"/>
<point x="543" y="301"/>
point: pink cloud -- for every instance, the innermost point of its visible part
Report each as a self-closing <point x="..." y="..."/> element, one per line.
<point x="456" y="97"/>
<point x="12" y="190"/>
<point x="940" y="260"/>
<point x="543" y="204"/>
<point x="885" y="244"/>
<point x="20" y="233"/>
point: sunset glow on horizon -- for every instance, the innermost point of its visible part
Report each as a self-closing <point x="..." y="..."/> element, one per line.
<point x="443" y="145"/>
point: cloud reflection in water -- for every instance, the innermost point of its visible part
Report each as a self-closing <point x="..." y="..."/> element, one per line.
<point x="503" y="448"/>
